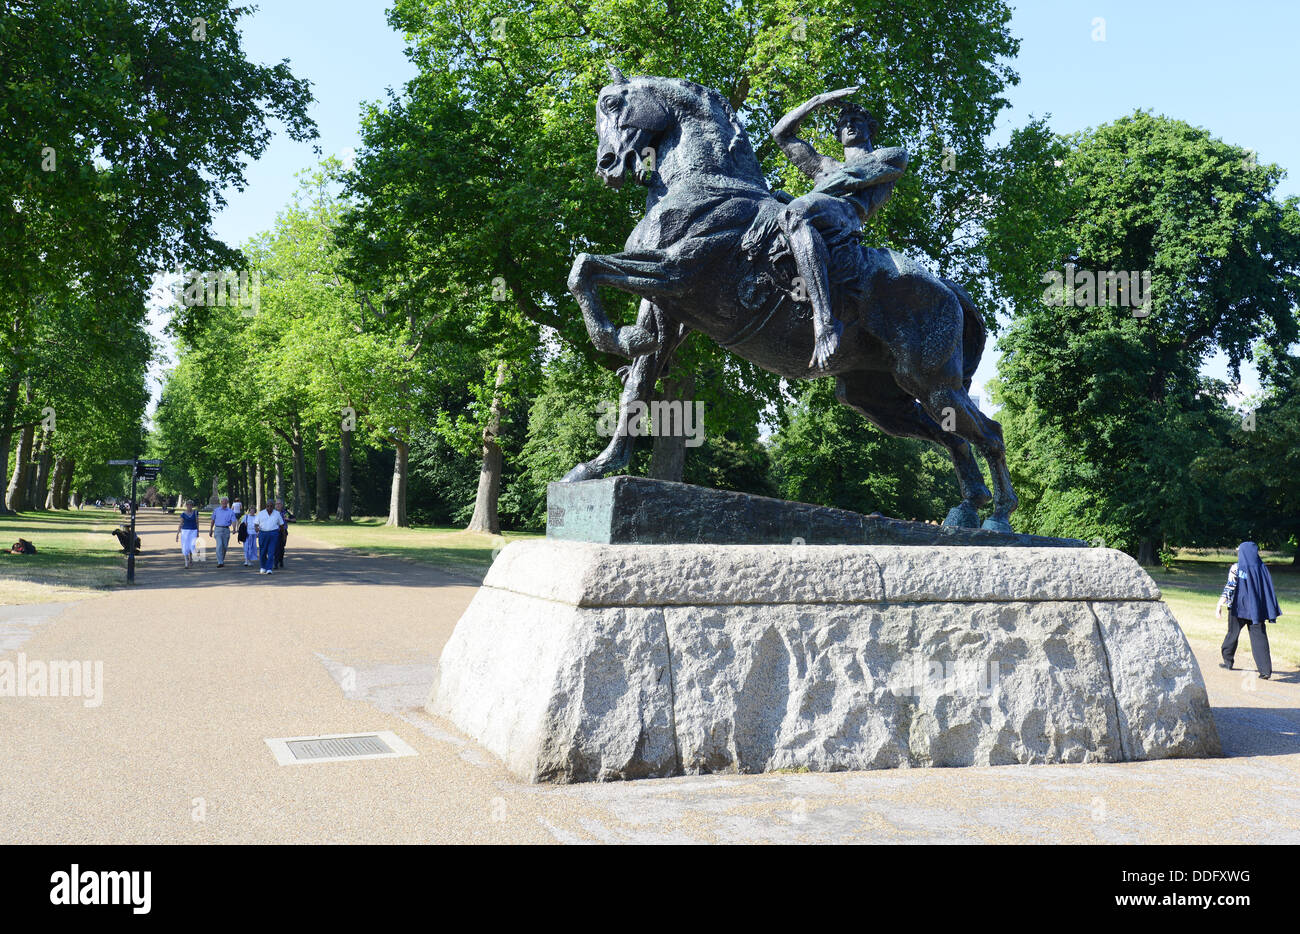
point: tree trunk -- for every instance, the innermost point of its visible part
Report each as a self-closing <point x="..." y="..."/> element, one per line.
<point x="485" y="518"/>
<point x="668" y="458"/>
<point x="16" y="499"/>
<point x="668" y="453"/>
<point x="344" y="513"/>
<point x="65" y="492"/>
<point x="38" y="448"/>
<point x="1146" y="555"/>
<point x="67" y="483"/>
<point x="74" y="500"/>
<point x="5" y="441"/>
<point x="41" y="486"/>
<point x="6" y="435"/>
<point x="299" y="472"/>
<point x="279" y="477"/>
<point x="56" y="484"/>
<point x="258" y="488"/>
<point x="322" y="483"/>
<point x="397" y="498"/>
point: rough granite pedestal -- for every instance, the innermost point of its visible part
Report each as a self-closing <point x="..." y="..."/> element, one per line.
<point x="580" y="661"/>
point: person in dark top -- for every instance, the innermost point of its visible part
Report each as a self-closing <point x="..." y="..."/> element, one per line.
<point x="1251" y="601"/>
<point x="123" y="536"/>
<point x="187" y="533"/>
<point x="284" y="534"/>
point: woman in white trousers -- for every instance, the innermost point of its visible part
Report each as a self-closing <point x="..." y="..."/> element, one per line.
<point x="187" y="533"/>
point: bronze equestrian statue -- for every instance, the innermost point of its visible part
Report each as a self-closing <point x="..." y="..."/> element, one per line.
<point x="784" y="283"/>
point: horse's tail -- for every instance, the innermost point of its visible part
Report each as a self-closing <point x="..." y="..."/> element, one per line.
<point x="974" y="333"/>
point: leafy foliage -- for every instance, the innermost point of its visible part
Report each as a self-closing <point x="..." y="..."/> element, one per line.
<point x="828" y="454"/>
<point x="1113" y="432"/>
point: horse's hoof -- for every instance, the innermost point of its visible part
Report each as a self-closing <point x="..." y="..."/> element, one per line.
<point x="993" y="524"/>
<point x="581" y="472"/>
<point x="963" y="516"/>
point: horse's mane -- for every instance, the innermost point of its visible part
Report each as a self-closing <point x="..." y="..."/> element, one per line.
<point x="738" y="145"/>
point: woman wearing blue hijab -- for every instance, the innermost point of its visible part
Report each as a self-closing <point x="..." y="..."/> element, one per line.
<point x="1251" y="602"/>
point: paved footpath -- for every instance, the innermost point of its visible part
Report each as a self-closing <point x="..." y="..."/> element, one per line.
<point x="201" y="666"/>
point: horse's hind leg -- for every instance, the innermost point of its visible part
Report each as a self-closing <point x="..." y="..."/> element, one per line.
<point x="637" y="383"/>
<point x="896" y="412"/>
<point x="951" y="406"/>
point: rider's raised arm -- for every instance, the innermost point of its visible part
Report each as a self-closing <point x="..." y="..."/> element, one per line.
<point x="799" y="151"/>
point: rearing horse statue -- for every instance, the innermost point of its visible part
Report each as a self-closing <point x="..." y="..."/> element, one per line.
<point x="911" y="341"/>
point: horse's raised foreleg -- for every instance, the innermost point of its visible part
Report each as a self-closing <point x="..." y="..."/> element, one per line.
<point x="638" y="385"/>
<point x="646" y="273"/>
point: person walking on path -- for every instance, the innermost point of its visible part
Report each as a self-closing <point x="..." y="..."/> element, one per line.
<point x="284" y="534"/>
<point x="248" y="535"/>
<point x="223" y="520"/>
<point x="269" y="521"/>
<point x="187" y="533"/>
<point x="1251" y="602"/>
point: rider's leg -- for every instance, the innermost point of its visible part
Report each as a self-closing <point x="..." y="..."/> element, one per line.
<point x="812" y="260"/>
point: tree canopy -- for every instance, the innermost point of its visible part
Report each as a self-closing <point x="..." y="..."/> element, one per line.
<point x="1113" y="430"/>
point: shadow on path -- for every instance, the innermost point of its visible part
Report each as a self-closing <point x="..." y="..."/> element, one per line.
<point x="306" y="563"/>
<point x="1258" y="731"/>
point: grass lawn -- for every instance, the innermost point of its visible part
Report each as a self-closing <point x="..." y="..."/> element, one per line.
<point x="450" y="548"/>
<point x="75" y="556"/>
<point x="1193" y="587"/>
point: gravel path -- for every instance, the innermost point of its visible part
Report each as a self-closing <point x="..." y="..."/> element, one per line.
<point x="201" y="666"/>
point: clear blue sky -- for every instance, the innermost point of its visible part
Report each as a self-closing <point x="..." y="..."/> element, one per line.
<point x="346" y="49"/>
<point x="1229" y="67"/>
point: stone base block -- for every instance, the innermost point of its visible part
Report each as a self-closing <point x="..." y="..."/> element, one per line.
<point x="580" y="662"/>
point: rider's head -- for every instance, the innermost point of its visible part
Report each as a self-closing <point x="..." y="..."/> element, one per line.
<point x="855" y="127"/>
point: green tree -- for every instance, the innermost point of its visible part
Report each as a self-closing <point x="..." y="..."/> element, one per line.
<point x="475" y="190"/>
<point x="1262" y="461"/>
<point x="827" y="454"/>
<point x="121" y="122"/>
<point x="1112" y="430"/>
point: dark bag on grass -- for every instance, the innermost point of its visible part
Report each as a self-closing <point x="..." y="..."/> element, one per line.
<point x="23" y="547"/>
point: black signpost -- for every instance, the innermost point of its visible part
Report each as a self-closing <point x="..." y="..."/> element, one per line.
<point x="140" y="470"/>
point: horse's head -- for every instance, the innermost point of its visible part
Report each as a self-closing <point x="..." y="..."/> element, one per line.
<point x="630" y="118"/>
